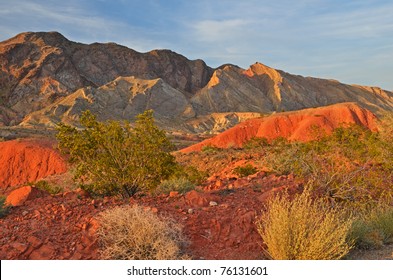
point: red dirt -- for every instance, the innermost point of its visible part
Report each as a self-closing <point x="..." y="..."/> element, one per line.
<point x="294" y="126"/>
<point x="23" y="161"/>
<point x="62" y="226"/>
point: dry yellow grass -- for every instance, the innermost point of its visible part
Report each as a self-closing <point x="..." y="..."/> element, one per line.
<point x="131" y="233"/>
<point x="304" y="229"/>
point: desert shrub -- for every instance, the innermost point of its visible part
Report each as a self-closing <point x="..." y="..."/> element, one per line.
<point x="304" y="229"/>
<point x="351" y="165"/>
<point x="210" y="149"/>
<point x="256" y="142"/>
<point x="374" y="228"/>
<point x="179" y="184"/>
<point x="113" y="157"/>
<point x="243" y="171"/>
<point x="191" y="173"/>
<point x="4" y="209"/>
<point x="46" y="186"/>
<point x="131" y="233"/>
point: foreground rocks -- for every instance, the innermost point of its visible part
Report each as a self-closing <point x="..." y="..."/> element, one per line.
<point x="219" y="222"/>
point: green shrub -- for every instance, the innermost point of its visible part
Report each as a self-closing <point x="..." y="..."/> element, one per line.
<point x="209" y="149"/>
<point x="44" y="185"/>
<point x="304" y="229"/>
<point x="256" y="142"/>
<point x="374" y="228"/>
<point x="243" y="171"/>
<point x="115" y="158"/>
<point x="352" y="165"/>
<point x="179" y="184"/>
<point x="3" y="208"/>
<point x="131" y="233"/>
<point x="190" y="173"/>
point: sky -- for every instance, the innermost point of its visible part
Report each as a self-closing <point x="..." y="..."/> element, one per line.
<point x="350" y="41"/>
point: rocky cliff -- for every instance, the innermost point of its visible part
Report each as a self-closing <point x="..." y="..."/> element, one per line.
<point x="302" y="125"/>
<point x="45" y="78"/>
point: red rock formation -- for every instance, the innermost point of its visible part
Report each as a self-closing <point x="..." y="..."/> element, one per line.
<point x="21" y="195"/>
<point x="23" y="161"/>
<point x="294" y="126"/>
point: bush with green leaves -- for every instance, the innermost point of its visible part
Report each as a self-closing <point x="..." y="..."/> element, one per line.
<point x="210" y="149"/>
<point x="46" y="186"/>
<point x="4" y="209"/>
<point x="304" y="228"/>
<point x="179" y="184"/>
<point x="374" y="227"/>
<point x="244" y="171"/>
<point x="256" y="142"/>
<point x="117" y="158"/>
<point x="351" y="165"/>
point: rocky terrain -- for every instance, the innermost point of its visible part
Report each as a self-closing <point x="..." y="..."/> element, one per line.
<point x="27" y="161"/>
<point x="302" y="125"/>
<point x="45" y="78"/>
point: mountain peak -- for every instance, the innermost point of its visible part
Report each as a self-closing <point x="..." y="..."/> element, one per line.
<point x="258" y="69"/>
<point x="52" y="38"/>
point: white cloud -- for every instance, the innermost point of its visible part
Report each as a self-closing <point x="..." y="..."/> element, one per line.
<point x="219" y="30"/>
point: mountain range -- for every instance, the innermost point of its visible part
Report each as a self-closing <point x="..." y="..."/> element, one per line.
<point x="46" y="78"/>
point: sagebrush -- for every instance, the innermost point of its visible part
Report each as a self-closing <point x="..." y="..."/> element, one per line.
<point x="304" y="228"/>
<point x="132" y="233"/>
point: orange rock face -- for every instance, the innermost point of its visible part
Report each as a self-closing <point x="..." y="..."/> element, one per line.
<point x="23" y="161"/>
<point x="21" y="195"/>
<point x="303" y="125"/>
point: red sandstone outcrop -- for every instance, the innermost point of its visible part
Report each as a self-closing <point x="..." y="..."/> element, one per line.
<point x="24" y="161"/>
<point x="294" y="126"/>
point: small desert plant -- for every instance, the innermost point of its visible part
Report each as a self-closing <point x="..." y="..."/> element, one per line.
<point x="243" y="171"/>
<point x="46" y="186"/>
<point x="179" y="184"/>
<point x="191" y="173"/>
<point x="256" y="142"/>
<point x="131" y="233"/>
<point x="352" y="165"/>
<point x="4" y="209"/>
<point x="374" y="228"/>
<point x="304" y="229"/>
<point x="209" y="149"/>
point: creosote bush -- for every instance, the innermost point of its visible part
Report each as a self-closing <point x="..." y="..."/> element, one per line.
<point x="131" y="233"/>
<point x="243" y="171"/>
<point x="304" y="228"/>
<point x="116" y="158"/>
<point x="352" y="165"/>
<point x="3" y="208"/>
<point x="46" y="186"/>
<point x="209" y="149"/>
<point x="374" y="227"/>
<point x="179" y="184"/>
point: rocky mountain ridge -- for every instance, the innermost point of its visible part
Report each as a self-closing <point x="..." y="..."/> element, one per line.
<point x="45" y="78"/>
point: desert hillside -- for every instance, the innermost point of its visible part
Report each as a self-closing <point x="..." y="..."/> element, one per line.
<point x="109" y="153"/>
<point x="45" y="78"/>
<point x="302" y="125"/>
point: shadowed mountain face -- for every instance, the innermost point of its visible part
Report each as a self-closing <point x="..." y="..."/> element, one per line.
<point x="38" y="69"/>
<point x="45" y="78"/>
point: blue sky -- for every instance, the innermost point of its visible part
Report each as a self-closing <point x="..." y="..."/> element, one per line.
<point x="351" y="41"/>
